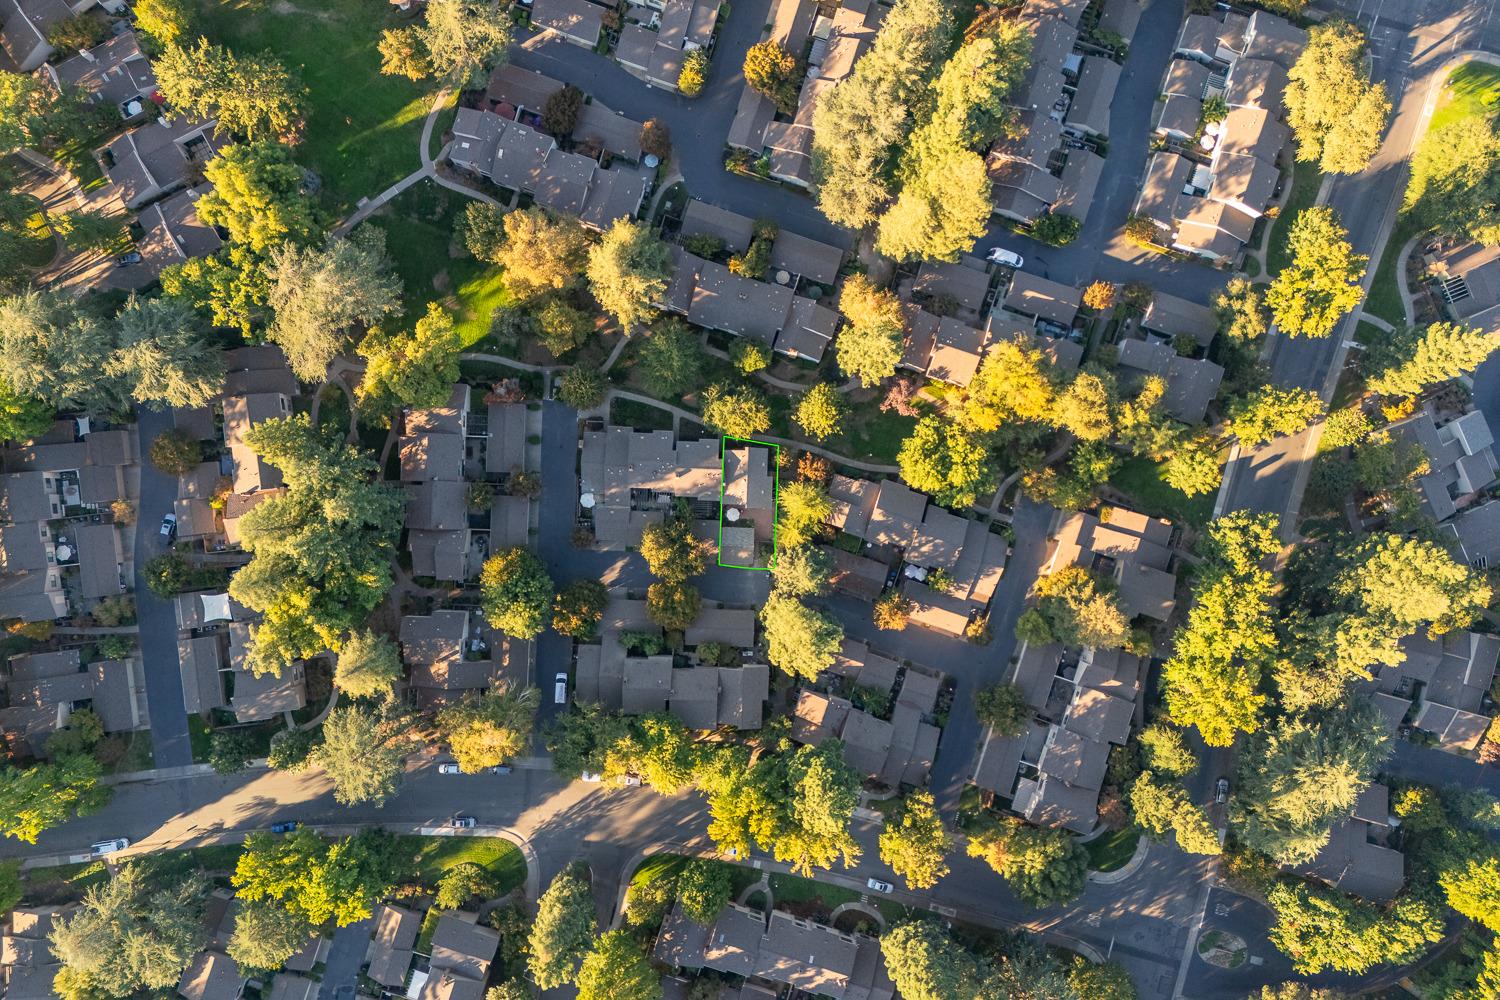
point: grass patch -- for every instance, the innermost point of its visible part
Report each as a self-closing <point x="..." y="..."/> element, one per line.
<point x="1471" y="89"/>
<point x="442" y="125"/>
<point x="38" y="246"/>
<point x="1306" y="179"/>
<point x="886" y="807"/>
<point x="1110" y="852"/>
<point x="333" y="412"/>
<point x="875" y="434"/>
<point x="201" y="737"/>
<point x="432" y="856"/>
<point x="139" y="754"/>
<point x="1140" y="480"/>
<point x="1384" y="299"/>
<point x="419" y="228"/>
<point x="429" y="928"/>
<point x="641" y="416"/>
<point x="362" y="127"/>
<point x="791" y="889"/>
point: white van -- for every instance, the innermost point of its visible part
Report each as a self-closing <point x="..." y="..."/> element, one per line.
<point x="561" y="694"/>
<point x="105" y="847"/>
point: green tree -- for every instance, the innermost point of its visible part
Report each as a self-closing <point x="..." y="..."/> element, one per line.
<point x="1080" y="610"/>
<point x="671" y="359"/>
<point x="368" y="666"/>
<point x="174" y="453"/>
<point x="1100" y="981"/>
<point x="1086" y="406"/>
<point x="821" y="792"/>
<point x="292" y="750"/>
<point x="166" y="22"/>
<point x="704" y="888"/>
<point x="489" y="729"/>
<point x="1472" y="887"/>
<point x="11" y="886"/>
<point x="926" y="963"/>
<point x="821" y="411"/>
<point x="870" y="347"/>
<point x="230" y="287"/>
<point x="916" y="844"/>
<point x="617" y="969"/>
<point x="1241" y="314"/>
<point x="83" y="231"/>
<point x="579" y="608"/>
<point x="161" y="354"/>
<point x="257" y="196"/>
<point x="563" y="929"/>
<point x="941" y="211"/>
<point x="42" y="796"/>
<point x="1164" y="752"/>
<point x="562" y="327"/>
<point x="628" y="270"/>
<point x="737" y="411"/>
<point x="749" y="356"/>
<point x="560" y="111"/>
<point x="943" y="459"/>
<point x="317" y="881"/>
<point x="266" y="934"/>
<point x="22" y="417"/>
<point x="1320" y="928"/>
<point x="461" y="883"/>
<point x="516" y="592"/>
<point x="466" y="39"/>
<point x="1193" y="467"/>
<point x="416" y="369"/>
<point x="1272" y="411"/>
<point x="319" y="295"/>
<point x="671" y="550"/>
<point x="34" y="114"/>
<point x="805" y="506"/>
<point x="1056" y="229"/>
<point x="51" y="349"/>
<point x="583" y="740"/>
<point x="403" y="52"/>
<point x="1454" y="183"/>
<point x="694" y="73"/>
<point x="363" y="752"/>
<point x="230" y="751"/>
<point x="673" y="604"/>
<point x="320" y="552"/>
<point x="539" y="252"/>
<point x="255" y="97"/>
<point x="1003" y="708"/>
<point x="582" y="388"/>
<point x="1310" y="295"/>
<point x="1162" y="806"/>
<point x="1015" y="384"/>
<point x="803" y="571"/>
<point x="1042" y="866"/>
<point x="1336" y="112"/>
<point x="1409" y="361"/>
<point x="799" y="640"/>
<point x="774" y="72"/>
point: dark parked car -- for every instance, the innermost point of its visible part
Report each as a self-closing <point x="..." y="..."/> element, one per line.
<point x="285" y="826"/>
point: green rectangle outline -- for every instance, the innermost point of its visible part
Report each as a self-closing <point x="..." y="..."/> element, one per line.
<point x="724" y="440"/>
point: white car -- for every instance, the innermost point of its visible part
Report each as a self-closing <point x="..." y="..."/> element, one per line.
<point x="591" y="777"/>
<point x="879" y="886"/>
<point x="561" y="694"/>
<point x="169" y="527"/>
<point x="631" y="780"/>
<point x="1000" y="255"/>
<point x="449" y="768"/>
<point x="105" y="847"/>
<point x="464" y="822"/>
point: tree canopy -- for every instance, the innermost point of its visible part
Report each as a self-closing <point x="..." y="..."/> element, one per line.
<point x="945" y="460"/>
<point x="317" y="881"/>
<point x="916" y="844"/>
<point x="1310" y="295"/>
<point x="799" y="640"/>
<point x="563" y="929"/>
<point x="257" y="195"/>
<point x="487" y="729"/>
<point x="1410" y="360"/>
<point x="414" y="369"/>
<point x="628" y="270"/>
<point x="870" y="347"/>
<point x="516" y="592"/>
<point x="540" y="252"/>
<point x="255" y="97"/>
<point x="39" y="797"/>
<point x="617" y="969"/>
<point x="1454" y="182"/>
<point x="1336" y="112"/>
<point x="319" y="295"/>
<point x="363" y="751"/>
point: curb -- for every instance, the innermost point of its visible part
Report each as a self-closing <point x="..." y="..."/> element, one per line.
<point x="1125" y="871"/>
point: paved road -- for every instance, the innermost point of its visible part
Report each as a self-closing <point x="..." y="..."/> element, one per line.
<point x="158" y="618"/>
<point x="345" y="955"/>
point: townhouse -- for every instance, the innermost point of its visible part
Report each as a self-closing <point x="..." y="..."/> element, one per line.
<point x="658" y="35"/>
<point x="453" y="652"/>
<point x="42" y="690"/>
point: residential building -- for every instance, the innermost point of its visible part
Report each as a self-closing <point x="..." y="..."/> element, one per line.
<point x="1133" y="550"/>
<point x="629" y="479"/>
<point x="893" y="752"/>
<point x="1192" y="383"/>
<point x="1169" y="318"/>
<point x="654" y="49"/>
<point x="462" y="951"/>
<point x="451" y="653"/>
<point x="1357" y="858"/>
<point x="1466" y="280"/>
<point x="713" y="297"/>
<point x="1179" y="112"/>
<point x="171" y="234"/>
<point x="576" y="21"/>
<point x="1042" y="299"/>
<point x="27" y="965"/>
<point x="158" y="157"/>
<point x="747" y="506"/>
<point x="433" y="448"/>
<point x="1441" y="686"/>
<point x="114" y="73"/>
<point x="42" y="690"/>
<point x="259" y="697"/>
<point x="1460" y="459"/>
<point x="392" y="945"/>
<point x="26" y="24"/>
<point x="258" y="386"/>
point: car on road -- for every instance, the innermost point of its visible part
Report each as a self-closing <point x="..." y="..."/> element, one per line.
<point x="285" y="826"/>
<point x="169" y="527"/>
<point x="591" y="777"/>
<point x="1221" y="791"/>
<point x="104" y="847"/>
<point x="449" y="768"/>
<point x="1009" y="258"/>
<point x="560" y="695"/>
<point x="498" y="769"/>
<point x="463" y="822"/>
<point x="879" y="886"/>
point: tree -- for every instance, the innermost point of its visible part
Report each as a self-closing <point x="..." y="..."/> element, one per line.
<point x="52" y="350"/>
<point x="1164" y="752"/>
<point x="859" y="124"/>
<point x="1303" y="773"/>
<point x="22" y="417"/>
<point x="33" y="114"/>
<point x="292" y="749"/>
<point x="1015" y="384"/>
<point x="694" y="73"/>
<point x="1472" y="887"/>
<point x="803" y="571"/>
<point x="656" y="139"/>
<point x="1042" y="866"/>
<point x="404" y="53"/>
<point x="1321" y="928"/>
<point x="582" y="388"/>
<point x="255" y="97"/>
<point x="1081" y="611"/>
<point x="1455" y="180"/>
<point x="84" y="231"/>
<point x="799" y="640"/>
<point x="820" y="412"/>
<point x="584" y="740"/>
<point x="774" y="72"/>
<point x="39" y="797"/>
<point x="230" y="751"/>
<point x="1335" y="111"/>
<point x="562" y="327"/>
<point x="516" y="592"/>
<point x="321" y="552"/>
<point x="257" y="196"/>
<point x="560" y="111"/>
<point x="673" y="604"/>
<point x="671" y="359"/>
<point x="317" y="881"/>
<point x="174" y="453"/>
<point x="943" y="459"/>
<point x="363" y="751"/>
<point x="1298" y="991"/>
<point x="1003" y="708"/>
<point x="416" y="370"/>
<point x="162" y="356"/>
<point x="540" y="252"/>
<point x="1310" y="295"/>
<point x="1100" y="980"/>
<point x="136" y="931"/>
<point x="1193" y="467"/>
<point x="940" y="212"/>
<point x="926" y="963"/>
<point x="671" y="550"/>
<point x="266" y="935"/>
<point x="736" y="411"/>
<point x="489" y="729"/>
<point x="11" y="886"/>
<point x="1086" y="406"/>
<point x="869" y="348"/>
<point x="230" y="287"/>
<point x="318" y="295"/>
<point x="821" y="793"/>
<point x="460" y="884"/>
<point x="166" y="22"/>
<point x="1100" y="295"/>
<point x="916" y="844"/>
<point x="1409" y="361"/>
<point x="1272" y="411"/>
<point x="1162" y="806"/>
<point x="805" y="506"/>
<point x="466" y="39"/>
<point x="704" y="888"/>
<point x="1056" y="229"/>
<point x="628" y="270"/>
<point x="579" y="608"/>
<point x="892" y="611"/>
<point x="563" y="928"/>
<point x="617" y="969"/>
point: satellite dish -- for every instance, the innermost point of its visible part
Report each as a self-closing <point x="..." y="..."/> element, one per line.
<point x="586" y="501"/>
<point x="732" y="514"/>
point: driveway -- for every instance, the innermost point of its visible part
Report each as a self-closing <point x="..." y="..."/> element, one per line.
<point x="345" y="955"/>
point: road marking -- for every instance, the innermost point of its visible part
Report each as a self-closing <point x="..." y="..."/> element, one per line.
<point x="1192" y="939"/>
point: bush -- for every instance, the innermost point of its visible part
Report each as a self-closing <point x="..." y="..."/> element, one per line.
<point x="1056" y="229"/>
<point x="116" y="647"/>
<point x="582" y="388"/>
<point x="656" y="139"/>
<point x="231" y="751"/>
<point x="174" y="453"/>
<point x="170" y="574"/>
<point x="291" y="748"/>
<point x="694" y="73"/>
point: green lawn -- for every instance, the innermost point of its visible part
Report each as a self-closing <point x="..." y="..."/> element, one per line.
<point x="362" y="128"/>
<point x="1473" y="89"/>
<point x="200" y="735"/>
<point x="791" y="889"/>
<point x="1109" y="852"/>
<point x="1140" y="479"/>
<point x="431" y="856"/>
<point x="1306" y="179"/>
<point x="419" y="227"/>
<point x="1384" y="299"/>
